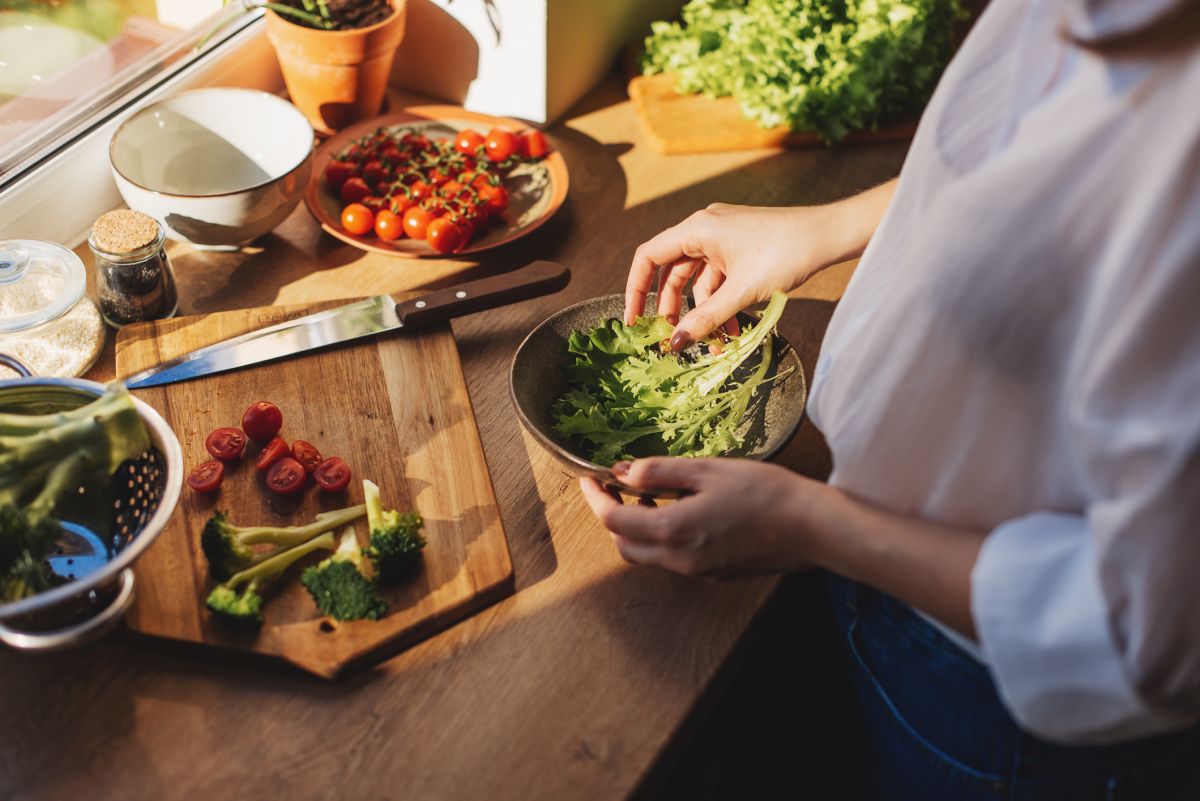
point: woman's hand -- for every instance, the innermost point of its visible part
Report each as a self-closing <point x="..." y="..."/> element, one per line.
<point x="738" y="255"/>
<point x="743" y="516"/>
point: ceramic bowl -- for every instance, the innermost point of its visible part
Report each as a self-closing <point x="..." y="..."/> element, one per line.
<point x="220" y="167"/>
<point x="537" y="379"/>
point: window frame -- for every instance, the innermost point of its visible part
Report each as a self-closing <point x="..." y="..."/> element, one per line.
<point x="61" y="180"/>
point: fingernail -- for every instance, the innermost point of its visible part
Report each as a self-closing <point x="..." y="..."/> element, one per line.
<point x="673" y="319"/>
<point x="681" y="340"/>
<point x="621" y="468"/>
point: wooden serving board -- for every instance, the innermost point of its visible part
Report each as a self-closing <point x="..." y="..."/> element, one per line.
<point x="676" y="123"/>
<point x="396" y="408"/>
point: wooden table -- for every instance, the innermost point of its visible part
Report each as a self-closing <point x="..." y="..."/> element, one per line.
<point x="575" y="687"/>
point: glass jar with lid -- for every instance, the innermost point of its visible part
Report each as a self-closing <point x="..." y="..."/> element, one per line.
<point x="46" y="320"/>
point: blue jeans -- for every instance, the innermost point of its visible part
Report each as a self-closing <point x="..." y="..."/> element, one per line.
<point x="935" y="729"/>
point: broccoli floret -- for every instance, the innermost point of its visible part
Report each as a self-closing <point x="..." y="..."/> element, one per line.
<point x="396" y="540"/>
<point x="339" y="587"/>
<point x="239" y="599"/>
<point x="226" y="546"/>
<point x="24" y="542"/>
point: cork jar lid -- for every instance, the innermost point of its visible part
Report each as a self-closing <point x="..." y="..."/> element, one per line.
<point x="123" y="231"/>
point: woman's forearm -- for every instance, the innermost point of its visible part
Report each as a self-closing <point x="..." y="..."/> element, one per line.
<point x="851" y="223"/>
<point x="924" y="563"/>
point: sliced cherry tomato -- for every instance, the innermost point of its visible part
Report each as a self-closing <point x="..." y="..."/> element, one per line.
<point x="306" y="454"/>
<point x="286" y="476"/>
<point x="358" y="219"/>
<point x="500" y="144"/>
<point x="496" y="197"/>
<point x="338" y="172"/>
<point x="271" y="453"/>
<point x="531" y="144"/>
<point x="332" y="475"/>
<point x="354" y="190"/>
<point x="262" y="420"/>
<point x="416" y="222"/>
<point x="206" y="477"/>
<point x="226" y="444"/>
<point x="388" y="226"/>
<point x="445" y="235"/>
<point x="468" y="141"/>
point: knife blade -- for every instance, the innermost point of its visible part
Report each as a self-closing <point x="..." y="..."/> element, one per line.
<point x="356" y="320"/>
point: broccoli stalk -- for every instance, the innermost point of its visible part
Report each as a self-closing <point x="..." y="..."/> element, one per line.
<point x="246" y="606"/>
<point x="396" y="541"/>
<point x="227" y="547"/>
<point x="339" y="587"/>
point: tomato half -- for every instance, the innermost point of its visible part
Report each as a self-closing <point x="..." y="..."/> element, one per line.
<point x="445" y="236"/>
<point x="206" y="477"/>
<point x="531" y="144"/>
<point x="358" y="219"/>
<point x="262" y="420"/>
<point x="306" y="454"/>
<point x="332" y="475"/>
<point x="354" y="190"/>
<point x="416" y="222"/>
<point x="226" y="443"/>
<point x="468" y="141"/>
<point x="286" y="476"/>
<point x="271" y="453"/>
<point x="500" y="144"/>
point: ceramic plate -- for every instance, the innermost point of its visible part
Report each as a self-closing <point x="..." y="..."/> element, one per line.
<point x="535" y="190"/>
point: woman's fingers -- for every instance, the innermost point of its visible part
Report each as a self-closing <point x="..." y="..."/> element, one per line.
<point x="707" y="283"/>
<point x="676" y="243"/>
<point x="647" y="525"/>
<point x="722" y="306"/>
<point x="671" y="282"/>
<point x="663" y="472"/>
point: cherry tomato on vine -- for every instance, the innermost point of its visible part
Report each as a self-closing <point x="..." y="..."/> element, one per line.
<point x="226" y="443"/>
<point x="337" y="173"/>
<point x="500" y="144"/>
<point x="375" y="203"/>
<point x="306" y="454"/>
<point x="420" y="190"/>
<point x="354" y="190"/>
<point x="286" y="476"/>
<point x="262" y="420"/>
<point x="416" y="221"/>
<point x="400" y="203"/>
<point x="374" y="173"/>
<point x="358" y="219"/>
<point x="392" y="155"/>
<point x="531" y="144"/>
<point x="271" y="453"/>
<point x="332" y="475"/>
<point x="468" y="141"/>
<point x="495" y="196"/>
<point x="445" y="236"/>
<point x="206" y="477"/>
<point x="388" y="226"/>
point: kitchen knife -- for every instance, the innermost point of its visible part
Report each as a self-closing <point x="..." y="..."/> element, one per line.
<point x="354" y="320"/>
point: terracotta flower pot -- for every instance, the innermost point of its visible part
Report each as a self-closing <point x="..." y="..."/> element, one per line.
<point x="337" y="77"/>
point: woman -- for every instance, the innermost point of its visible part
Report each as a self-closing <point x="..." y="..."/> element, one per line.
<point x="1010" y="389"/>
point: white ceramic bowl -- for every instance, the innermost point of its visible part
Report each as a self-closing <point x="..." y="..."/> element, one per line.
<point x="220" y="167"/>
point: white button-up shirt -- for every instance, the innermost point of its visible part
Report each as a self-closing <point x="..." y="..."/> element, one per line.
<point x="1019" y="352"/>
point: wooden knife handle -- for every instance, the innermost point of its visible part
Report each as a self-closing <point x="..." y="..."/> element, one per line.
<point x="531" y="281"/>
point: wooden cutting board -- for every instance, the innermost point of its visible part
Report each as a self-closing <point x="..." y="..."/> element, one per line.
<point x="396" y="408"/>
<point x="676" y="123"/>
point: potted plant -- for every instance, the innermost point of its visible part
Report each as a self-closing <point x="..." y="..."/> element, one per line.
<point x="335" y="54"/>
